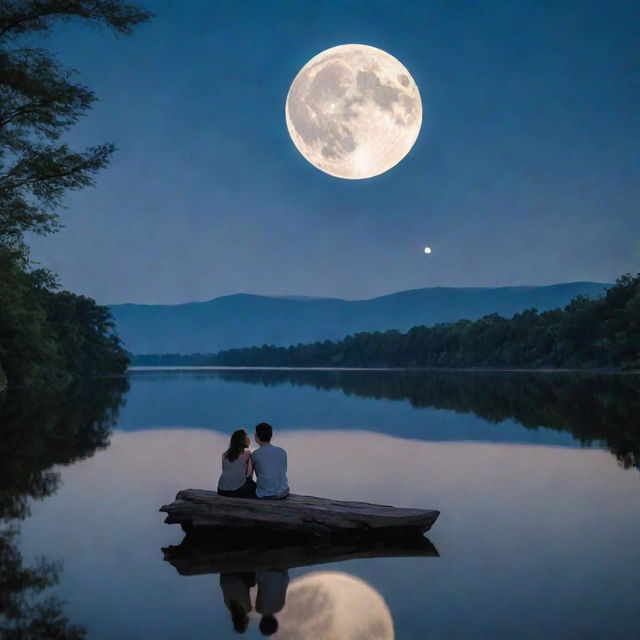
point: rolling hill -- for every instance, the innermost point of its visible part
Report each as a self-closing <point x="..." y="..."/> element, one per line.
<point x="244" y="320"/>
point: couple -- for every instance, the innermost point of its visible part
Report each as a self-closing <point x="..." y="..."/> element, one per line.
<point x="269" y="463"/>
<point x="270" y="598"/>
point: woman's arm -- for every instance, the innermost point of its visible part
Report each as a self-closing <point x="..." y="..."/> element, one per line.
<point x="250" y="467"/>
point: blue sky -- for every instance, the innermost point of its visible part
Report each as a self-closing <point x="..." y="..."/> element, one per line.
<point x="525" y="170"/>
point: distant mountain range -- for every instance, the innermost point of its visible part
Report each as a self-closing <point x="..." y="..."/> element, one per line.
<point x="245" y="320"/>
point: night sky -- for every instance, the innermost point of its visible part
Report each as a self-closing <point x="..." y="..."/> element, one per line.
<point x="526" y="170"/>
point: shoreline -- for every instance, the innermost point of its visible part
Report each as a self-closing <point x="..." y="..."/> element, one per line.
<point x="151" y="368"/>
<point x="140" y="369"/>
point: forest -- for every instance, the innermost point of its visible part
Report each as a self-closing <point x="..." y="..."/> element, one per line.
<point x="601" y="332"/>
<point x="47" y="333"/>
<point x="51" y="335"/>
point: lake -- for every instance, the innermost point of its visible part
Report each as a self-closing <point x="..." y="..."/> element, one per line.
<point x="536" y="477"/>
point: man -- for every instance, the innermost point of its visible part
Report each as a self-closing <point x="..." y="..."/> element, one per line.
<point x="270" y="466"/>
<point x="272" y="594"/>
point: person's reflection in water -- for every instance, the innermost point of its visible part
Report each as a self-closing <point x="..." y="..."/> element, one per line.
<point x="272" y="593"/>
<point x="235" y="591"/>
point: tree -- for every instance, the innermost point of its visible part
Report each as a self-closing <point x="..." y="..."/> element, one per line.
<point x="28" y="349"/>
<point x="43" y="332"/>
<point x="39" y="101"/>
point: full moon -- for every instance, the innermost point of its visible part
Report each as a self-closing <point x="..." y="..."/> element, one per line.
<point x="332" y="605"/>
<point x="427" y="249"/>
<point x="353" y="111"/>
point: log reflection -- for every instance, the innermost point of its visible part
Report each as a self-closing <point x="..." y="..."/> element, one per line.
<point x="231" y="555"/>
<point x="245" y="563"/>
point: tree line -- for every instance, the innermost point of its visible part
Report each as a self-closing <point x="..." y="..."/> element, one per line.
<point x="600" y="332"/>
<point x="47" y="333"/>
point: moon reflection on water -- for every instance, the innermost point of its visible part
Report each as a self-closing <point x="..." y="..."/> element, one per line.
<point x="332" y="605"/>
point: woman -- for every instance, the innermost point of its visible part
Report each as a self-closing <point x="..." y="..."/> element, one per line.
<point x="235" y="591"/>
<point x="235" y="480"/>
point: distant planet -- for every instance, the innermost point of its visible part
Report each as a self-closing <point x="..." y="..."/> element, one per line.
<point x="353" y="111"/>
<point x="331" y="605"/>
<point x="427" y="249"/>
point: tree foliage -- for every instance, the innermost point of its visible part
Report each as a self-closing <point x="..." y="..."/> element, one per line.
<point x="28" y="349"/>
<point x="45" y="332"/>
<point x="39" y="101"/>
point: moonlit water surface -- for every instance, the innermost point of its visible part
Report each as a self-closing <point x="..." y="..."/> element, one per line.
<point x="538" y="537"/>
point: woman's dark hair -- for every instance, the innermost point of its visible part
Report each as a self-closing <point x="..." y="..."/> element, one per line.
<point x="237" y="445"/>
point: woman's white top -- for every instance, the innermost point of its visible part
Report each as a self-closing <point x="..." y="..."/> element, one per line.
<point x="234" y="473"/>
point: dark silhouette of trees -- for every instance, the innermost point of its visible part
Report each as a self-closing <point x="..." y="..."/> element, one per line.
<point x="43" y="331"/>
<point x="47" y="334"/>
<point x="38" y="103"/>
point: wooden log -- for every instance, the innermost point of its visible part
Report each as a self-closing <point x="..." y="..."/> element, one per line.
<point x="200" y="510"/>
<point x="225" y="555"/>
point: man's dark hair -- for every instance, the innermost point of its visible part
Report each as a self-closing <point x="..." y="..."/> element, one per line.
<point x="264" y="432"/>
<point x="268" y="624"/>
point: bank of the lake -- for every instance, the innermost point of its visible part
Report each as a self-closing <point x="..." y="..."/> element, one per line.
<point x="542" y="370"/>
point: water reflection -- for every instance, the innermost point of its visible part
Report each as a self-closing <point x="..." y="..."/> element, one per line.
<point x="317" y="606"/>
<point x="591" y="407"/>
<point x="46" y="427"/>
<point x="333" y="604"/>
<point x="40" y="429"/>
<point x="536" y="542"/>
<point x="235" y="593"/>
<point x="22" y="616"/>
<point x="271" y="596"/>
<point x="241" y="555"/>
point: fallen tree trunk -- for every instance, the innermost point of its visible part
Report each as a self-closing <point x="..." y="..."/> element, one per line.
<point x="197" y="510"/>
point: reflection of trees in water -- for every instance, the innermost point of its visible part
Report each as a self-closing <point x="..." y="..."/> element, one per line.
<point x="40" y="429"/>
<point x="21" y="615"/>
<point x="591" y="407"/>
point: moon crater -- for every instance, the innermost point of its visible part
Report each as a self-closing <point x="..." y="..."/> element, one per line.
<point x="353" y="111"/>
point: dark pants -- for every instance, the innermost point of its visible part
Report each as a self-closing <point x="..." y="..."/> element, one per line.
<point x="247" y="490"/>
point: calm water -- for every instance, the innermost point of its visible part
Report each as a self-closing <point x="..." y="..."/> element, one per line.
<point x="536" y="476"/>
